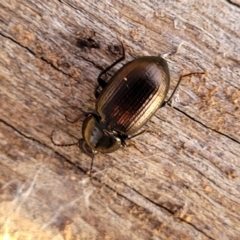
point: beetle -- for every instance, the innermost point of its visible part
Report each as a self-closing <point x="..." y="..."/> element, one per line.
<point x="125" y="103"/>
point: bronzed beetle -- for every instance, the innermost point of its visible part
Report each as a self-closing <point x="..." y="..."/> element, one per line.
<point x="125" y="103"/>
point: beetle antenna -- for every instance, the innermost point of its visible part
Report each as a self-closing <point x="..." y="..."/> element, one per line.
<point x="62" y="145"/>
<point x="179" y="81"/>
<point x="90" y="170"/>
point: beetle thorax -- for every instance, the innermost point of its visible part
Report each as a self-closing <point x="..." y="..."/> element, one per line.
<point x="98" y="137"/>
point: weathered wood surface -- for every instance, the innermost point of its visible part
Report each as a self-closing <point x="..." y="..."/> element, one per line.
<point x="184" y="185"/>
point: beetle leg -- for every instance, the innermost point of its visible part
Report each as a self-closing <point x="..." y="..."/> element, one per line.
<point x="137" y="134"/>
<point x="122" y="138"/>
<point x="133" y="144"/>
<point x="79" y="117"/>
<point x="100" y="80"/>
<point x="179" y="81"/>
<point x="102" y="83"/>
<point x="144" y="131"/>
<point x="73" y="121"/>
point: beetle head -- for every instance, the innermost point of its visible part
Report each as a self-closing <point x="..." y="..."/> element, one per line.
<point x="96" y="137"/>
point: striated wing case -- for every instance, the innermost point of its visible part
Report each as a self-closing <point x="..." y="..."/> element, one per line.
<point x="134" y="94"/>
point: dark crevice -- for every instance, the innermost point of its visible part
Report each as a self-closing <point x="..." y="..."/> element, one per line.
<point x="155" y="204"/>
<point x="46" y="61"/>
<point x="202" y="124"/>
<point x="68" y="4"/>
<point x="169" y="211"/>
<point x="232" y="3"/>
<point x="29" y="50"/>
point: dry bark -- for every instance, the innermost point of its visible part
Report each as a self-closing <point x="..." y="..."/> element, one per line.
<point x="184" y="184"/>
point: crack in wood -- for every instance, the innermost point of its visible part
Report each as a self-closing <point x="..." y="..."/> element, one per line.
<point x="207" y="127"/>
<point x="46" y="61"/>
<point x="34" y="54"/>
<point x="168" y="210"/>
<point x="233" y="3"/>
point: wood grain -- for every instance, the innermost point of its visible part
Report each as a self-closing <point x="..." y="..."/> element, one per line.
<point x="184" y="184"/>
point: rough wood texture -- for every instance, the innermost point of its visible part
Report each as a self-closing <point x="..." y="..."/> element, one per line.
<point x="185" y="183"/>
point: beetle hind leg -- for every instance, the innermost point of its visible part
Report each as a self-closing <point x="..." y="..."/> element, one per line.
<point x="178" y="84"/>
